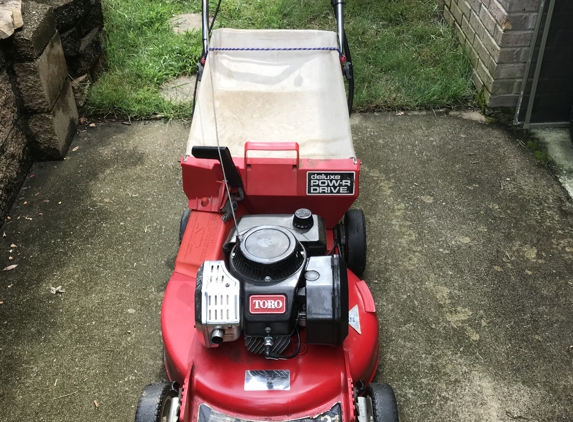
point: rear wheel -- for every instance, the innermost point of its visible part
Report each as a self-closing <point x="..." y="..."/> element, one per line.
<point x="352" y="238"/>
<point x="571" y="124"/>
<point x="384" y="408"/>
<point x="183" y="223"/>
<point x="155" y="403"/>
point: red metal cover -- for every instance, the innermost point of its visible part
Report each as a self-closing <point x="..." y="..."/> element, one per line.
<point x="277" y="185"/>
<point x="267" y="304"/>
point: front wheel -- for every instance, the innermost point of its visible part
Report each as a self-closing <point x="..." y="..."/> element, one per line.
<point x="157" y="403"/>
<point x="384" y="407"/>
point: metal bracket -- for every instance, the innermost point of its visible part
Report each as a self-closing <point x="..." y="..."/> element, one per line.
<point x="200" y="69"/>
<point x="364" y="409"/>
<point x="231" y="202"/>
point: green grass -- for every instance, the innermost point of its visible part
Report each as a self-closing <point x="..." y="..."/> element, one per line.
<point x="538" y="151"/>
<point x="405" y="56"/>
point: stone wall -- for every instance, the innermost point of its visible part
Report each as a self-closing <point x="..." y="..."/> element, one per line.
<point x="44" y="70"/>
<point x="497" y="36"/>
<point x="15" y="155"/>
<point x="80" y="24"/>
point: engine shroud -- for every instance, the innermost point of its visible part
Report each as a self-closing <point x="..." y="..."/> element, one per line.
<point x="285" y="279"/>
<point x="269" y="261"/>
<point x="267" y="254"/>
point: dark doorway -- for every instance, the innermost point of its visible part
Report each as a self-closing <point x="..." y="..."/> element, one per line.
<point x="548" y="94"/>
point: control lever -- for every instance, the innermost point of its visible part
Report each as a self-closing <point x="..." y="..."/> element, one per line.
<point x="212" y="153"/>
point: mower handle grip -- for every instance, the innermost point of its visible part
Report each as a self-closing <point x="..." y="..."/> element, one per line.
<point x="223" y="155"/>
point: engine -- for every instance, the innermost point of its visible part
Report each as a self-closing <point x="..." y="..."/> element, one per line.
<point x="276" y="279"/>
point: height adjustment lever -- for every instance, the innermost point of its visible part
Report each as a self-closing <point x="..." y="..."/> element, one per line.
<point x="223" y="155"/>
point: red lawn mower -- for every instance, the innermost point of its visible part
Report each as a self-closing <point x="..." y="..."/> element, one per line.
<point x="265" y="317"/>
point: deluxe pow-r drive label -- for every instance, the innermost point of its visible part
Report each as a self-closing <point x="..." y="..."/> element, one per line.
<point x="330" y="182"/>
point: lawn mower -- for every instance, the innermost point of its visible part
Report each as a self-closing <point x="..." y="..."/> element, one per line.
<point x="265" y="317"/>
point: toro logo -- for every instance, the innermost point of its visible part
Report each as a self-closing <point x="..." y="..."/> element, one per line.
<point x="267" y="304"/>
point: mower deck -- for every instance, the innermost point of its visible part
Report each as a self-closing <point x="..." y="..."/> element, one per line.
<point x="319" y="377"/>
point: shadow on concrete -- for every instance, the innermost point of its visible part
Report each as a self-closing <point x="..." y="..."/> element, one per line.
<point x="102" y="225"/>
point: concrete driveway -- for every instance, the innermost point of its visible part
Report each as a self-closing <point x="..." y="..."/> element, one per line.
<point x="470" y="261"/>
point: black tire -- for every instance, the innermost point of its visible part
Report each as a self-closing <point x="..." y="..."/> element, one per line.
<point x="354" y="248"/>
<point x="384" y="405"/>
<point x="154" y="403"/>
<point x="183" y="223"/>
<point x="571" y="124"/>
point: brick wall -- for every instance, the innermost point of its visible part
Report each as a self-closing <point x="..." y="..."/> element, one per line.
<point x="497" y="36"/>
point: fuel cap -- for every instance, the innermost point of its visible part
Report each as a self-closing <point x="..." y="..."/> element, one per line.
<point x="302" y="219"/>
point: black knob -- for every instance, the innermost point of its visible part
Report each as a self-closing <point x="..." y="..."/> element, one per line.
<point x="302" y="219"/>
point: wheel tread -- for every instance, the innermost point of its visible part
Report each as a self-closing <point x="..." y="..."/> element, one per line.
<point x="383" y="402"/>
<point x="355" y="227"/>
<point x="150" y="401"/>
